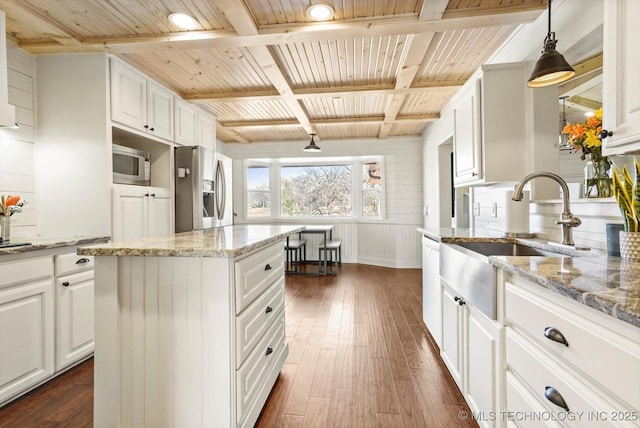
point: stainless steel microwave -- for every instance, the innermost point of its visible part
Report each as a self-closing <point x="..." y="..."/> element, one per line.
<point x="131" y="166"/>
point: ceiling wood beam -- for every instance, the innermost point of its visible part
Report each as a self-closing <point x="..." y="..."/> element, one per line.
<point x="227" y="134"/>
<point x="301" y="94"/>
<point x="31" y="17"/>
<point x="291" y="33"/>
<point x="582" y="103"/>
<point x="335" y="121"/>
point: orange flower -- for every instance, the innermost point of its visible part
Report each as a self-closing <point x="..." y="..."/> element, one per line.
<point x="593" y="122"/>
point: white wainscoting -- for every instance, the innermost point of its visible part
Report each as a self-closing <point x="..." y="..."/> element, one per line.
<point x="16" y="145"/>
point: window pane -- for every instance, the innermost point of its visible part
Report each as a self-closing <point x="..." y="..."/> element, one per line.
<point x="372" y="175"/>
<point x="258" y="192"/>
<point x="371" y="203"/>
<point x="316" y="190"/>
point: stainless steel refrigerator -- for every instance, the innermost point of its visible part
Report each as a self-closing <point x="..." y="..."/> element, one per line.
<point x="203" y="189"/>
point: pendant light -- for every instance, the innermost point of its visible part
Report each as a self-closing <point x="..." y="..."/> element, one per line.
<point x="551" y="67"/>
<point x="311" y="147"/>
<point x="563" y="139"/>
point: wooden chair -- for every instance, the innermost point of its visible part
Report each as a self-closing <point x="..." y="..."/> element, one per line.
<point x="327" y="253"/>
<point x="296" y="252"/>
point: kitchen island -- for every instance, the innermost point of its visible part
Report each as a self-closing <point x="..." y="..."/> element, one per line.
<point x="189" y="327"/>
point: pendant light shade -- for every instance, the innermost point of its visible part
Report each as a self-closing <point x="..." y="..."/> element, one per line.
<point x="551" y="68"/>
<point x="311" y="147"/>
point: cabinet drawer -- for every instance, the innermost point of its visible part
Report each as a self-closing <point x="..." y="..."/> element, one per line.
<point x="597" y="351"/>
<point x="24" y="270"/>
<point x="521" y="402"/>
<point x="72" y="263"/>
<point x="260" y="364"/>
<point x="539" y="371"/>
<point x="256" y="273"/>
<point x="257" y="318"/>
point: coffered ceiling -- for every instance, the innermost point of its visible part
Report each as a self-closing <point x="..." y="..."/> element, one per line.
<point x="378" y="69"/>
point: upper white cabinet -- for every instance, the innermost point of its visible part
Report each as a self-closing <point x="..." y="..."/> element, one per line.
<point x="185" y="118"/>
<point x="500" y="126"/>
<point x="621" y="86"/>
<point x="140" y="103"/>
<point x="206" y="130"/>
<point x="141" y="212"/>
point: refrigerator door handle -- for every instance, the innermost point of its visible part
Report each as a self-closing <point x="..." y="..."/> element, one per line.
<point x="221" y="190"/>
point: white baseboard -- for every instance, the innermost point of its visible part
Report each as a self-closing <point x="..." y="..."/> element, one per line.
<point x="397" y="264"/>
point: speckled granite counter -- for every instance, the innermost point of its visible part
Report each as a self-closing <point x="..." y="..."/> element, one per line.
<point x="604" y="283"/>
<point x="229" y="241"/>
<point x="40" y="243"/>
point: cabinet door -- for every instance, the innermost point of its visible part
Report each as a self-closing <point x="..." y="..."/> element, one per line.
<point x="26" y="336"/>
<point x="74" y="318"/>
<point x="467" y="144"/>
<point x="431" y="294"/>
<point x="159" y="213"/>
<point x="128" y="96"/>
<point x="621" y="86"/>
<point x="129" y="220"/>
<point x="481" y="361"/>
<point x="451" y="350"/>
<point x="185" y="123"/>
<point x="159" y="111"/>
<point x="206" y="130"/>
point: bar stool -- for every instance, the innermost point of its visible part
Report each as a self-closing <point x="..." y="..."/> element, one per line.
<point x="331" y="249"/>
<point x="296" y="250"/>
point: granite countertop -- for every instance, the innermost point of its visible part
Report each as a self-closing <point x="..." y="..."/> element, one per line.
<point x="228" y="241"/>
<point x="606" y="284"/>
<point x="45" y="243"/>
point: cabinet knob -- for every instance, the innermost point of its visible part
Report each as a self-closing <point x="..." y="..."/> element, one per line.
<point x="474" y="174"/>
<point x="269" y="350"/>
<point x="65" y="284"/>
<point x="269" y="309"/>
<point x="604" y="134"/>
<point x="456" y="299"/>
<point x="82" y="261"/>
<point x="268" y="267"/>
<point x="146" y="127"/>
<point x="153" y="195"/>
<point x="459" y="300"/>
<point x="554" y="334"/>
<point x="152" y="129"/>
<point x="555" y="397"/>
<point x="146" y="194"/>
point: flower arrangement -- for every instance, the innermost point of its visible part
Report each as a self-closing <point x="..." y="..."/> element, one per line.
<point x="626" y="190"/>
<point x="585" y="138"/>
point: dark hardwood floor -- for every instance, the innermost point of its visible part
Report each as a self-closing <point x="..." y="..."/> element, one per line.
<point x="359" y="356"/>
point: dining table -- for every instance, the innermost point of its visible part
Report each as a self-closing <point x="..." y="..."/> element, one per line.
<point x="326" y="230"/>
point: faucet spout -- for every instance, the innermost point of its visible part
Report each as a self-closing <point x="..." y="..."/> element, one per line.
<point x="567" y="220"/>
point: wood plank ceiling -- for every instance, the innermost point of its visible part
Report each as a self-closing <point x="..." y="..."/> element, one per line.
<point x="378" y="69"/>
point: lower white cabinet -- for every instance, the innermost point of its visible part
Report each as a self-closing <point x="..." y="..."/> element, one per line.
<point x="74" y="308"/>
<point x="26" y="324"/>
<point x="471" y="344"/>
<point x="141" y="212"/>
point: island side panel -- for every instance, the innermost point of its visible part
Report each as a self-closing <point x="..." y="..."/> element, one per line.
<point x="174" y="335"/>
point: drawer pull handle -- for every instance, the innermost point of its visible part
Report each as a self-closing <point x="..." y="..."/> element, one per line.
<point x="269" y="350"/>
<point x="269" y="309"/>
<point x="554" y="334"/>
<point x="65" y="284"/>
<point x="268" y="267"/>
<point x="555" y="397"/>
<point x="82" y="260"/>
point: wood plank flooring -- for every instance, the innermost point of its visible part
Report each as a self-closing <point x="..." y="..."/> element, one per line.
<point x="359" y="356"/>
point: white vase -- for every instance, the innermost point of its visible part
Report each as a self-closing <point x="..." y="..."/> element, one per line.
<point x="630" y="246"/>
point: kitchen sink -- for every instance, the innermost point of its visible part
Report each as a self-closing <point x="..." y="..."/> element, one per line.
<point x="503" y="249"/>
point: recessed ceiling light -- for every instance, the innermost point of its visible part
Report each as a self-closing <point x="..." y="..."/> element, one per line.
<point x="183" y="21"/>
<point x="320" y="12"/>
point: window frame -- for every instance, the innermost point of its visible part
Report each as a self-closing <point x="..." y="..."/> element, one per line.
<point x="275" y="186"/>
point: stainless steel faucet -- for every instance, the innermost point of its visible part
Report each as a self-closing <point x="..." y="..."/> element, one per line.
<point x="567" y="220"/>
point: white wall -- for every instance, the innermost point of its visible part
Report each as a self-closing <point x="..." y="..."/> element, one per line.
<point x="16" y="145"/>
<point x="391" y="242"/>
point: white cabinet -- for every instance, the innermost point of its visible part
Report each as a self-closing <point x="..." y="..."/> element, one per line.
<point x="431" y="294"/>
<point x="471" y="349"/>
<point x="26" y="324"/>
<point x="568" y="359"/>
<point x="139" y="102"/>
<point x="74" y="308"/>
<point x="206" y="130"/>
<point x="500" y="124"/>
<point x="621" y="86"/>
<point x="185" y="119"/>
<point x="141" y="212"/>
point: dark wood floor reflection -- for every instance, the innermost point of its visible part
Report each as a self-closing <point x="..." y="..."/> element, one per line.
<point x="359" y="356"/>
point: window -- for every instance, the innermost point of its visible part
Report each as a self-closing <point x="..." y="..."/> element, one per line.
<point x="371" y="189"/>
<point x="336" y="187"/>
<point x="315" y="190"/>
<point x="258" y="191"/>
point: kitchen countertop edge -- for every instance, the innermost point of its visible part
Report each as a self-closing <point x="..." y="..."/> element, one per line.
<point x="54" y="242"/>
